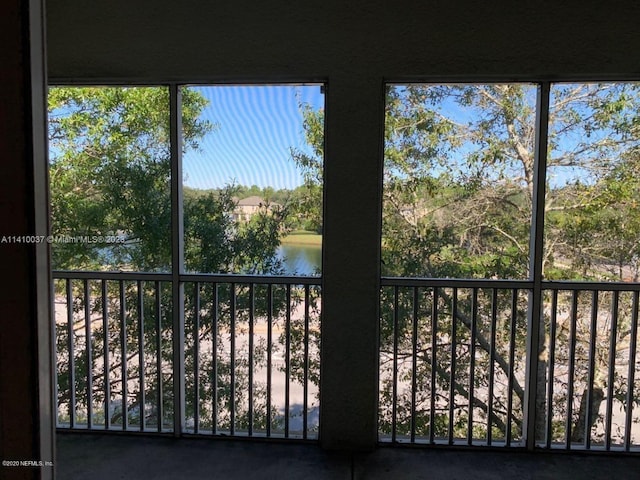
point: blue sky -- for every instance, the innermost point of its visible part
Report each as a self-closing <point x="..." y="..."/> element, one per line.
<point x="256" y="128"/>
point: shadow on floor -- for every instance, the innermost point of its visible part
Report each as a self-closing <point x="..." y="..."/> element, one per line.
<point x="110" y="457"/>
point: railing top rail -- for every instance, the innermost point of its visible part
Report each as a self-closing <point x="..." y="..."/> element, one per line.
<point x="505" y="284"/>
<point x="255" y="279"/>
<point x="590" y="286"/>
<point x="188" y="277"/>
<point x="454" y="282"/>
<point x="111" y="275"/>
<point x="385" y="281"/>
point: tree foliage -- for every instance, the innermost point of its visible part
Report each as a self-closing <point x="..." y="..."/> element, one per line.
<point x="307" y="199"/>
<point x="110" y="173"/>
<point x="458" y="200"/>
<point x="458" y="194"/>
<point x="110" y="176"/>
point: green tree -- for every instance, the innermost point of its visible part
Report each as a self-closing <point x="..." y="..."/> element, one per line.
<point x="216" y="243"/>
<point x="307" y="199"/>
<point x="110" y="175"/>
<point x="457" y="202"/>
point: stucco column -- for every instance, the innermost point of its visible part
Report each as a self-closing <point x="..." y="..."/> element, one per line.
<point x="351" y="262"/>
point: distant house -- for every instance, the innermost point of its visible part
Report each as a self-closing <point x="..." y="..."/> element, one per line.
<point x="248" y="207"/>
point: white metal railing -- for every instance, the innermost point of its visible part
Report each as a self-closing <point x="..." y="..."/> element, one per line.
<point x="249" y="354"/>
<point x="454" y="359"/>
<point x="454" y="362"/>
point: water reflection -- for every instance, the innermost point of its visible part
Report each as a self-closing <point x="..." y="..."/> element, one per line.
<point x="304" y="260"/>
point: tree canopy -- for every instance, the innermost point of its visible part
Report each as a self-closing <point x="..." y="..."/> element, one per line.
<point x="110" y="177"/>
<point x="458" y="193"/>
<point x="458" y="200"/>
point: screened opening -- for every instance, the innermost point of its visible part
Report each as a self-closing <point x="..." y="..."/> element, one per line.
<point x="459" y="177"/>
<point x="110" y="178"/>
<point x="458" y="180"/>
<point x="253" y="185"/>
<point x="239" y="337"/>
<point x="459" y="199"/>
<point x="592" y="212"/>
<point x="592" y="236"/>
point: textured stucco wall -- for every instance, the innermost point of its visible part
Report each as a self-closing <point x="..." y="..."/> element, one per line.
<point x="355" y="46"/>
<point x="241" y="39"/>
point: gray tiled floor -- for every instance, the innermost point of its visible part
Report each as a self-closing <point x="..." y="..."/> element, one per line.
<point x="98" y="457"/>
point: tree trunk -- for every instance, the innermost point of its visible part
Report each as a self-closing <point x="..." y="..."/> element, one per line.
<point x="541" y="394"/>
<point x="581" y="428"/>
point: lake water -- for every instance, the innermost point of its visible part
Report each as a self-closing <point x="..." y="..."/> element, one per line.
<point x="301" y="259"/>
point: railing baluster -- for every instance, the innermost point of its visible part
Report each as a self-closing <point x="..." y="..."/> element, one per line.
<point x="434" y="346"/>
<point x="232" y="367"/>
<point x="472" y="362"/>
<point x="269" y="355"/>
<point x="512" y="350"/>
<point x="196" y="357"/>
<point x="57" y="353"/>
<point x="394" y="399"/>
<point x="72" y="363"/>
<point x="552" y="362"/>
<point x="612" y="368"/>
<point x="305" y="393"/>
<point x="143" y="401"/>
<point x="159" y="376"/>
<point x="452" y="376"/>
<point x="123" y="351"/>
<point x="592" y="368"/>
<point x="287" y="359"/>
<point x="105" y="356"/>
<point x="214" y="365"/>
<point x="252" y="307"/>
<point x="88" y="351"/>
<point x="633" y="342"/>
<point x="492" y="353"/>
<point x="414" y="364"/>
<point x="572" y="362"/>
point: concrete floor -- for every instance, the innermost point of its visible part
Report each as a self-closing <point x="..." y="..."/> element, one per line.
<point x="114" y="457"/>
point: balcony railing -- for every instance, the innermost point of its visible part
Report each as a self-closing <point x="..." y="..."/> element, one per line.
<point x="248" y="361"/>
<point x="455" y="362"/>
<point x="590" y="367"/>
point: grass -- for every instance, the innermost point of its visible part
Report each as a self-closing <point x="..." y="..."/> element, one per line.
<point x="302" y="237"/>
